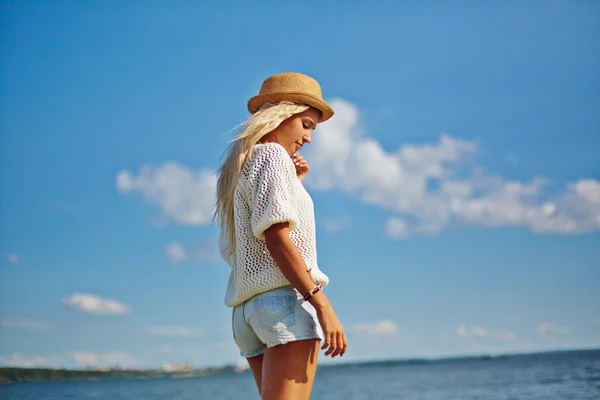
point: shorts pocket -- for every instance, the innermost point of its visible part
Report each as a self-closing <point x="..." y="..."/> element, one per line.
<point x="276" y="312"/>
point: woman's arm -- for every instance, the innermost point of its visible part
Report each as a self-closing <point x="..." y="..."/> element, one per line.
<point x="292" y="265"/>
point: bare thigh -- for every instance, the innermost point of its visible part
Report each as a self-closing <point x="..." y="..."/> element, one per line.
<point x="256" y="365"/>
<point x="289" y="370"/>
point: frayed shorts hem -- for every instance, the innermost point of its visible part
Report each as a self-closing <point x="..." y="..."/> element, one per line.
<point x="254" y="353"/>
<point x="295" y="339"/>
<point x="278" y="342"/>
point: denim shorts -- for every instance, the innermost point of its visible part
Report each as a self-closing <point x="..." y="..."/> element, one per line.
<point x="271" y="318"/>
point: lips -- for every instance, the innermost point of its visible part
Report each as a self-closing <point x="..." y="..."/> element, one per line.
<point x="299" y="145"/>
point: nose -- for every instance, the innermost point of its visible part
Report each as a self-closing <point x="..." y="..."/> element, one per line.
<point x="306" y="138"/>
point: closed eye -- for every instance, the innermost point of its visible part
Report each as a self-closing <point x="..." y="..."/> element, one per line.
<point x="306" y="126"/>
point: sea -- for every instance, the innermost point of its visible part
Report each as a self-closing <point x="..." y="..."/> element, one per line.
<point x="544" y="376"/>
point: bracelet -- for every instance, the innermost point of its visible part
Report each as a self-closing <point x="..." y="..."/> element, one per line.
<point x="312" y="292"/>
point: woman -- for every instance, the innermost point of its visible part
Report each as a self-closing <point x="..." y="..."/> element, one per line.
<point x="280" y="314"/>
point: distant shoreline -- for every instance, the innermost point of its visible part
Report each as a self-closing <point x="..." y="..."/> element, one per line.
<point x="17" y="374"/>
<point x="465" y="358"/>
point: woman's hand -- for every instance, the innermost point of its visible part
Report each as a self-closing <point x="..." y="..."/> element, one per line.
<point x="292" y="265"/>
<point x="301" y="166"/>
<point x="333" y="332"/>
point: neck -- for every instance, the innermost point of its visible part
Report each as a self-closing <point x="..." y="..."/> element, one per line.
<point x="270" y="137"/>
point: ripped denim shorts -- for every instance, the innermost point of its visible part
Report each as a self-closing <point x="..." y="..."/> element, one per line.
<point x="271" y="318"/>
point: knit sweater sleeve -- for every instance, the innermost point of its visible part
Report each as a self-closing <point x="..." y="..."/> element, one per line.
<point x="272" y="191"/>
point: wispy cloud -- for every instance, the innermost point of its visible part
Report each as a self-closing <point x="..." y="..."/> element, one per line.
<point x="383" y="327"/>
<point x="203" y="251"/>
<point x="184" y="196"/>
<point x="25" y="361"/>
<point x="344" y="158"/>
<point x="335" y="225"/>
<point x="14" y="258"/>
<point x="386" y="112"/>
<point x="477" y="332"/>
<point x="92" y="304"/>
<point x="512" y="159"/>
<point x="550" y="330"/>
<point x="85" y="359"/>
<point x="166" y="350"/>
<point x="27" y="324"/>
<point x="176" y="253"/>
<point x="103" y="360"/>
<point x="174" y="331"/>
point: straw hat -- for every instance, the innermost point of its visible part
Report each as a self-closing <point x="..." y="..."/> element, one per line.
<point x="294" y="87"/>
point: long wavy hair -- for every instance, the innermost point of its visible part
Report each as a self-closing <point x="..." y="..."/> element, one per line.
<point x="263" y="121"/>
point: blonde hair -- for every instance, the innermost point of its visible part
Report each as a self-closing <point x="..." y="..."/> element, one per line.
<point x="263" y="121"/>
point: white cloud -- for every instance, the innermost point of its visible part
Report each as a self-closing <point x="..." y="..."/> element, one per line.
<point x="477" y="332"/>
<point x="28" y="324"/>
<point x="335" y="225"/>
<point x="92" y="304"/>
<point x="549" y="330"/>
<point x="396" y="228"/>
<point x="383" y="327"/>
<point x="89" y="359"/>
<point x="103" y="360"/>
<point x="176" y="252"/>
<point x="176" y="331"/>
<point x="23" y="361"/>
<point x="203" y="251"/>
<point x="14" y="258"/>
<point x="588" y="190"/>
<point x="402" y="183"/>
<point x="185" y="196"/>
<point x="425" y="188"/>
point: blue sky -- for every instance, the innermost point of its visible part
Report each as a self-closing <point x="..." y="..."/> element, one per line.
<point x="456" y="189"/>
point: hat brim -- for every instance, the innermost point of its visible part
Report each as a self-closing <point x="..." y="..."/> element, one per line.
<point x="301" y="98"/>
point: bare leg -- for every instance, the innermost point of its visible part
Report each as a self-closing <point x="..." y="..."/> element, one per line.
<point x="256" y="365"/>
<point x="289" y="370"/>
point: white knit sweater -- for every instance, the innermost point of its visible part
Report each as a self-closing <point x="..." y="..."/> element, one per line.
<point x="268" y="192"/>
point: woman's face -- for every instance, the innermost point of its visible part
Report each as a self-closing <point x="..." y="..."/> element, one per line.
<point x="295" y="131"/>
